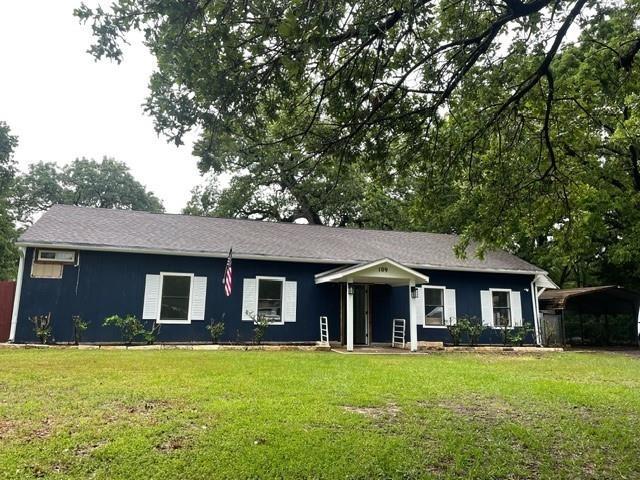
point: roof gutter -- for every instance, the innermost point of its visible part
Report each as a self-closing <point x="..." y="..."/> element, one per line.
<point x="275" y="258"/>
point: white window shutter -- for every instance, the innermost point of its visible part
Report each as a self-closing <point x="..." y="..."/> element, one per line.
<point x="151" y="297"/>
<point x="420" y="313"/>
<point x="487" y="307"/>
<point x="198" y="297"/>
<point x="249" y="298"/>
<point x="516" y="309"/>
<point x="289" y="302"/>
<point x="450" y="312"/>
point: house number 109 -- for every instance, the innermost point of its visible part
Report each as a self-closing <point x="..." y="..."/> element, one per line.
<point x="383" y="269"/>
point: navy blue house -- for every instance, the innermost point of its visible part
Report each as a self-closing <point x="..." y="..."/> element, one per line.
<point x="168" y="269"/>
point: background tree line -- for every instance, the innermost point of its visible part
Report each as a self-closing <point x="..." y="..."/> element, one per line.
<point x="23" y="196"/>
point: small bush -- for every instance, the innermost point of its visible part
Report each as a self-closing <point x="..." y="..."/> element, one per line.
<point x="518" y="334"/>
<point x="262" y="323"/>
<point x="474" y="330"/>
<point x="457" y="330"/>
<point x="150" y="336"/>
<point x="42" y="327"/>
<point x="216" y="330"/>
<point x="130" y="327"/>
<point x="79" y="327"/>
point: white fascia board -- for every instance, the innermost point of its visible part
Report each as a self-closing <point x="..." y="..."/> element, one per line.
<point x="275" y="258"/>
<point x="343" y="273"/>
<point x="543" y="281"/>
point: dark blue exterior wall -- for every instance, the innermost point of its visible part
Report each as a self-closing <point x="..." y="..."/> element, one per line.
<point x="113" y="283"/>
<point x="467" y="286"/>
<point x="107" y="283"/>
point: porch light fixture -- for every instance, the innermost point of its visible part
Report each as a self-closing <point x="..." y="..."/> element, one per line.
<point x="414" y="292"/>
<point x="350" y="289"/>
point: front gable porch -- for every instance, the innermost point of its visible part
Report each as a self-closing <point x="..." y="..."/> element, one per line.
<point x="384" y="271"/>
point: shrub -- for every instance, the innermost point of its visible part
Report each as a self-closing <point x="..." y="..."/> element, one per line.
<point x="79" y="327"/>
<point x="42" y="327"/>
<point x="518" y="334"/>
<point x="474" y="330"/>
<point x="457" y="330"/>
<point x="151" y="335"/>
<point x="216" y="329"/>
<point x="261" y="324"/>
<point x="506" y="335"/>
<point x="130" y="327"/>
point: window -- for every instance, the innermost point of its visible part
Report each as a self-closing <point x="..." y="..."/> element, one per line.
<point x="434" y="306"/>
<point x="270" y="299"/>
<point x="57" y="256"/>
<point x="501" y="308"/>
<point x="175" y="298"/>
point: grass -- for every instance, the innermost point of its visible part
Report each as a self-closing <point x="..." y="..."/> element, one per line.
<point x="198" y="414"/>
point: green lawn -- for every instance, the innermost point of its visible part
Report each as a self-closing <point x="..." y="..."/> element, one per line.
<point x="202" y="414"/>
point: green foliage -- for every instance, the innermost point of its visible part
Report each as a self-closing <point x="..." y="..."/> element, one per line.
<point x="104" y="184"/>
<point x="130" y="327"/>
<point x="474" y="329"/>
<point x="489" y="122"/>
<point x="8" y="233"/>
<point x="150" y="336"/>
<point x="216" y="330"/>
<point x="42" y="327"/>
<point x="457" y="330"/>
<point x="261" y="323"/>
<point x="79" y="327"/>
<point x="518" y="334"/>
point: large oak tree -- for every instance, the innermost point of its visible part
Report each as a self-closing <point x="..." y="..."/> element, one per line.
<point x="514" y="122"/>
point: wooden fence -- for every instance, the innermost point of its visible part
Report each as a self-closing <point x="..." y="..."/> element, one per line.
<point x="7" y="292"/>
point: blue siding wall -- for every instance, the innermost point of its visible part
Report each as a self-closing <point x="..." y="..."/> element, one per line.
<point x="113" y="283"/>
<point x="467" y="286"/>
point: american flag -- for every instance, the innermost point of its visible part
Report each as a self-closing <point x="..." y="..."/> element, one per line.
<point x="227" y="280"/>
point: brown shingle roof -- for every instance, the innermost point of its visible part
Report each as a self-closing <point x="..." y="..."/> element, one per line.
<point x="93" y="228"/>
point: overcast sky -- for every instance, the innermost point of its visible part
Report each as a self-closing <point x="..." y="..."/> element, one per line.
<point x="63" y="105"/>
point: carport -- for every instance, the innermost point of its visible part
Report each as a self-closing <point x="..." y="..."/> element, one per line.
<point x="591" y="316"/>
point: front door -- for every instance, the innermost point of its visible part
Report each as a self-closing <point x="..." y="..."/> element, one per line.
<point x="361" y="314"/>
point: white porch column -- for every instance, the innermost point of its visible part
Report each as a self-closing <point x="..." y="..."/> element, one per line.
<point x="413" y="323"/>
<point x="349" y="318"/>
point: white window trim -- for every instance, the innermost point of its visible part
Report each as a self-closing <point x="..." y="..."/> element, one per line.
<point x="444" y="308"/>
<point x="493" y="325"/>
<point x="174" y="322"/>
<point x="281" y="280"/>
<point x="39" y="259"/>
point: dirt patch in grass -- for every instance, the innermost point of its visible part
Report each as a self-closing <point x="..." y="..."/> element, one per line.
<point x="387" y="412"/>
<point x="482" y="409"/>
<point x="8" y="428"/>
<point x="42" y="431"/>
<point x="87" y="450"/>
<point x="173" y="443"/>
<point x="147" y="410"/>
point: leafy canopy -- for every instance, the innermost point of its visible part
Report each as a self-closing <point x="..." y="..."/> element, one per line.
<point x="513" y="122"/>
<point x="8" y="252"/>
<point x="104" y="184"/>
